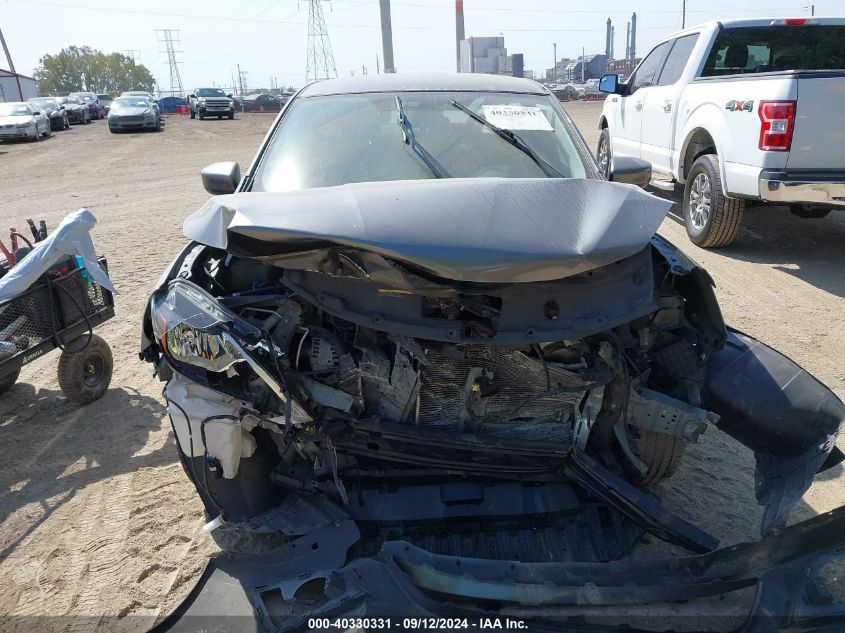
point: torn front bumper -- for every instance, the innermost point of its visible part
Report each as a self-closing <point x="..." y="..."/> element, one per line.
<point x="309" y="585"/>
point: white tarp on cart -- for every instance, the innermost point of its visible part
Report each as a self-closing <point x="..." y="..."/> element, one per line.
<point x="71" y="238"/>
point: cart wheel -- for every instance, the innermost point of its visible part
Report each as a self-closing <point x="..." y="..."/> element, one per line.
<point x="7" y="382"/>
<point x="85" y="370"/>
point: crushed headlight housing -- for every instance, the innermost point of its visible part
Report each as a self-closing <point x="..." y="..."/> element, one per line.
<point x="188" y="324"/>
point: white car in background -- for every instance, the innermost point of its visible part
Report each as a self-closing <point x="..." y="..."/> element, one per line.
<point x="736" y="111"/>
<point x="23" y="120"/>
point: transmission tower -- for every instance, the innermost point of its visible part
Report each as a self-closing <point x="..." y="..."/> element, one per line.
<point x="168" y="37"/>
<point x="320" y="64"/>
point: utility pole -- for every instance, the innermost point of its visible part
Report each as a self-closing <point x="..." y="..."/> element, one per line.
<point x="378" y="68"/>
<point x="812" y="9"/>
<point x="683" y="14"/>
<point x="320" y="58"/>
<point x="240" y="82"/>
<point x="166" y="36"/>
<point x="131" y="53"/>
<point x="234" y="84"/>
<point x="554" y="66"/>
<point x="386" y="36"/>
<point x="11" y="65"/>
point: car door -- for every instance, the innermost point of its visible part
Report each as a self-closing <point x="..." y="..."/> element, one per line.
<point x="628" y="132"/>
<point x="660" y="105"/>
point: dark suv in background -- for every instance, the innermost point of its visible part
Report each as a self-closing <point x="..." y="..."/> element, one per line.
<point x="205" y="102"/>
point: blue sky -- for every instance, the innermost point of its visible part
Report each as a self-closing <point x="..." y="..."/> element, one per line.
<point x="268" y="37"/>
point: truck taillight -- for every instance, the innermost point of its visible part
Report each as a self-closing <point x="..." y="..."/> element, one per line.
<point x="777" y="121"/>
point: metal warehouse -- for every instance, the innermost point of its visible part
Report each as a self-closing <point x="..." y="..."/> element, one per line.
<point x="15" y="87"/>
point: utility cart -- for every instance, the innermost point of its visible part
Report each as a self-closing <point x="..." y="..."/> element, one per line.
<point x="60" y="310"/>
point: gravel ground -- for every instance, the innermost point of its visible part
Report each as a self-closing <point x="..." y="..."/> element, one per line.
<point x="97" y="520"/>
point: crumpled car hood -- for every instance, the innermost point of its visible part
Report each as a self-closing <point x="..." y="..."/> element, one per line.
<point x="465" y="229"/>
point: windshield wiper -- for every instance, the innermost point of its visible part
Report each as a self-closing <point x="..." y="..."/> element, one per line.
<point x="410" y="139"/>
<point x="511" y="138"/>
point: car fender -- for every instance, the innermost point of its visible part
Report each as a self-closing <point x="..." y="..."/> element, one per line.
<point x="709" y="118"/>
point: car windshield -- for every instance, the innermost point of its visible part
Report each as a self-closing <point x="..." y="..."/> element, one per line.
<point x="86" y="98"/>
<point x="14" y="109"/>
<point x="104" y="97"/>
<point x="333" y="140"/>
<point x="44" y="103"/>
<point x="131" y="102"/>
<point x="210" y="92"/>
<point x="70" y="100"/>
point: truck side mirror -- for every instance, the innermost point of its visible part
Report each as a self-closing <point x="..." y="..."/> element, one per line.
<point x="633" y="171"/>
<point x="222" y="178"/>
<point x="610" y="83"/>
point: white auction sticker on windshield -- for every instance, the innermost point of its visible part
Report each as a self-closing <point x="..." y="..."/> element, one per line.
<point x="516" y="117"/>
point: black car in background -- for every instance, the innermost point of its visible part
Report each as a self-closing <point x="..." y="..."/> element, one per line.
<point x="55" y="111"/>
<point x="105" y="102"/>
<point x="261" y="103"/>
<point x="77" y="112"/>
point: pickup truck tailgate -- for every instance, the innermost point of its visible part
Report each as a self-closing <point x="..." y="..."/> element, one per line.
<point x="818" y="142"/>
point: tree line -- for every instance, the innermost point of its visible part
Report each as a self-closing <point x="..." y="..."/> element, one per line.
<point x="83" y="68"/>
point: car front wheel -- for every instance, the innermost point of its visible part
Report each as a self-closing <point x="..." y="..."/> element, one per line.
<point x="711" y="218"/>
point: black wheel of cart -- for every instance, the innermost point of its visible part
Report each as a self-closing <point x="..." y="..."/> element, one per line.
<point x="85" y="370"/>
<point x="7" y="382"/>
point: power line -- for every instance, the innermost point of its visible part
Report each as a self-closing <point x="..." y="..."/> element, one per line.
<point x="166" y="36"/>
<point x="320" y="58"/>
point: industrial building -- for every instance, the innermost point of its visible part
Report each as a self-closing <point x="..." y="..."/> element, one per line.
<point x="16" y="87"/>
<point x="484" y="55"/>
<point x="583" y="68"/>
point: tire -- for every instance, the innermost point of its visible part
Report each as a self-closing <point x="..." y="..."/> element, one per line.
<point x="809" y="212"/>
<point x="603" y="154"/>
<point x="193" y="114"/>
<point x="112" y="130"/>
<point x="7" y="382"/>
<point x="219" y="117"/>
<point x="66" y="123"/>
<point x="201" y="116"/>
<point x="711" y="218"/>
<point x="231" y="115"/>
<point x="661" y="453"/>
<point x="85" y="370"/>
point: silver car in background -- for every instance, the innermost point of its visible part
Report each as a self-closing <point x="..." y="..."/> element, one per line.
<point x="133" y="113"/>
<point x="23" y="120"/>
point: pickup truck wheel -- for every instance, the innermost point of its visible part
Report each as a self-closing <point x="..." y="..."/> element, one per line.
<point x="711" y="218"/>
<point x="603" y="153"/>
<point x="193" y="114"/>
<point x="808" y="212"/>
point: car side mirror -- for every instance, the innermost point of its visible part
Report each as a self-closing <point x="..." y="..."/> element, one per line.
<point x="221" y="178"/>
<point x="610" y="83"/>
<point x="229" y="95"/>
<point x="37" y="112"/>
<point x="632" y="171"/>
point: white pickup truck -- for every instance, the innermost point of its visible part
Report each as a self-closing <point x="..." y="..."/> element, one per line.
<point x="738" y="110"/>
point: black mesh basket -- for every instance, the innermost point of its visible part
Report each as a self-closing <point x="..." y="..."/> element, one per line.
<point x="64" y="300"/>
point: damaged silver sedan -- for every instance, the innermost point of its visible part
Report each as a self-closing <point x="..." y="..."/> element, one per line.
<point x="423" y="361"/>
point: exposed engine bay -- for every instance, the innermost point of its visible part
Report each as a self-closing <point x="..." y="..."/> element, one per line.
<point x="365" y="402"/>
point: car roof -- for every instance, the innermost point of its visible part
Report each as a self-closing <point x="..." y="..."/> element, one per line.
<point x="736" y="23"/>
<point x="424" y="82"/>
<point x="16" y="103"/>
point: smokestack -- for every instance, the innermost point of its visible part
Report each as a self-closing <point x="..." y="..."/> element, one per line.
<point x="628" y="41"/>
<point x="459" y="30"/>
<point x="386" y="36"/>
<point x="634" y="35"/>
<point x="607" y="39"/>
<point x="612" y="40"/>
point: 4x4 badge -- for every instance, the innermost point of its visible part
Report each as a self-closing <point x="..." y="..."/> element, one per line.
<point x="738" y="106"/>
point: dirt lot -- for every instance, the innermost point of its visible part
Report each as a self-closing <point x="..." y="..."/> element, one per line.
<point x="97" y="520"/>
